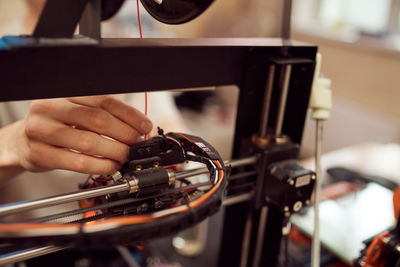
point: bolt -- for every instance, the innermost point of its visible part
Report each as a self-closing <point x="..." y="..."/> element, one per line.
<point x="156" y="164"/>
<point x="313" y="177"/>
<point x="158" y="204"/>
<point x="291" y="182"/>
<point x="286" y="229"/>
<point x="297" y="206"/>
<point x="142" y="208"/>
<point x="286" y="208"/>
<point x="138" y="167"/>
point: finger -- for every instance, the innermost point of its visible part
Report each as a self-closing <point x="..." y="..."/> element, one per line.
<point x="85" y="117"/>
<point x="58" y="134"/>
<point x="50" y="157"/>
<point x="119" y="109"/>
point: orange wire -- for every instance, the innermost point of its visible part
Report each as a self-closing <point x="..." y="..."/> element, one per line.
<point x="146" y="136"/>
<point x="139" y="22"/>
<point x="145" y="103"/>
<point x="374" y="251"/>
<point x="141" y="36"/>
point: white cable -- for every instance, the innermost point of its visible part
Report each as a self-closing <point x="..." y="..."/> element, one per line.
<point x="216" y="178"/>
<point x="315" y="249"/>
<point x="321" y="103"/>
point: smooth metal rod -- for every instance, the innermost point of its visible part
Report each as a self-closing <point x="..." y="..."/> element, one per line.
<point x="190" y="173"/>
<point x="29" y="254"/>
<point x="36" y="252"/>
<point x="286" y="18"/>
<point x="231" y="163"/>
<point x="267" y="102"/>
<point x="11" y="208"/>
<point x="244" y="254"/>
<point x="315" y="248"/>
<point x="260" y="236"/>
<point x="127" y="256"/>
<point x="237" y="199"/>
<point x="90" y="22"/>
<point x="241" y="162"/>
<point x="282" y="101"/>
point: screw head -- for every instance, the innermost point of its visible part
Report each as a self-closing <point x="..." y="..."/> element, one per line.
<point x="142" y="208"/>
<point x="297" y="206"/>
<point x="291" y="181"/>
<point x="158" y="204"/>
<point x="286" y="229"/>
<point x="286" y="208"/>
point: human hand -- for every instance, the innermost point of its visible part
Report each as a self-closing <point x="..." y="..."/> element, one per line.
<point x="73" y="133"/>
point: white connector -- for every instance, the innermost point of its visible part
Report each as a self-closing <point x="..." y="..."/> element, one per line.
<point x="321" y="95"/>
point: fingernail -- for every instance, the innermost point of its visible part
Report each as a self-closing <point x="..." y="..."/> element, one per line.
<point x="146" y="126"/>
<point x="139" y="139"/>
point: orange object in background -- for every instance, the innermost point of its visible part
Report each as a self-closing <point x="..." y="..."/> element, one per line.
<point x="298" y="236"/>
<point x="373" y="256"/>
<point x="396" y="202"/>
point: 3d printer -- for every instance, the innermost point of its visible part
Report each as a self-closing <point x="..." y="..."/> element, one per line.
<point x="140" y="202"/>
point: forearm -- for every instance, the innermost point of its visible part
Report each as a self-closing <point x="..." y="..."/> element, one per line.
<point x="9" y="163"/>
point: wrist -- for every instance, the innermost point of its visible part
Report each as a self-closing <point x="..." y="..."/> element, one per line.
<point x="9" y="161"/>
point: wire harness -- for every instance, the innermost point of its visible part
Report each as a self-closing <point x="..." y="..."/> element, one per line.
<point x="148" y="179"/>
